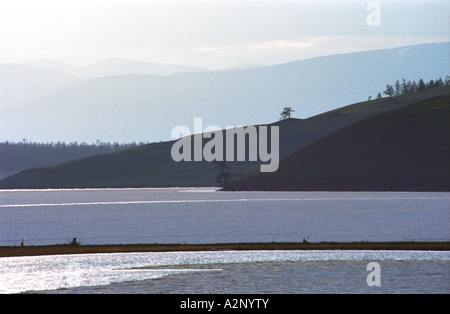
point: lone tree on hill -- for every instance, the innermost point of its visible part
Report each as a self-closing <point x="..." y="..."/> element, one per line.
<point x="224" y="176"/>
<point x="287" y="112"/>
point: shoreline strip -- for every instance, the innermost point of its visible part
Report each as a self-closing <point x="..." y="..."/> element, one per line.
<point x="64" y="249"/>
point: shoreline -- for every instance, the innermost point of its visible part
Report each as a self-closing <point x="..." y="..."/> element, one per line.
<point x="66" y="249"/>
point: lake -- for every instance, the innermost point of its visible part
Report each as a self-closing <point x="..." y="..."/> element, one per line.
<point x="232" y="272"/>
<point x="203" y="215"/>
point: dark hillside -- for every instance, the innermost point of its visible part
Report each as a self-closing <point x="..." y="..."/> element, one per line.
<point x="152" y="166"/>
<point x="407" y="149"/>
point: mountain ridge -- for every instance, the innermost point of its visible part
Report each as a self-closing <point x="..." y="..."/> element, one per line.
<point x="139" y="108"/>
<point x="116" y="66"/>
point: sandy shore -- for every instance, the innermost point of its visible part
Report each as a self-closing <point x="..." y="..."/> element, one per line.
<point x="10" y="251"/>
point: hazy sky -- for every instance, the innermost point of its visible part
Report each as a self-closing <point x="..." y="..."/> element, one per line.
<point x="212" y="33"/>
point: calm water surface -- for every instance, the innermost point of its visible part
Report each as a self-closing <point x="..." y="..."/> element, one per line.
<point x="119" y="216"/>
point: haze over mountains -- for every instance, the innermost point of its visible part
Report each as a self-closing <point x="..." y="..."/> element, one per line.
<point x="21" y="82"/>
<point x="45" y="101"/>
<point x="116" y="67"/>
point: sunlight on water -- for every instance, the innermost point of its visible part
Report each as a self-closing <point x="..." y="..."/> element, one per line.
<point x="203" y="215"/>
<point x="22" y="274"/>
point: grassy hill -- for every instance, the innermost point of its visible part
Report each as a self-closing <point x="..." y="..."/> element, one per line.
<point x="152" y="166"/>
<point x="407" y="149"/>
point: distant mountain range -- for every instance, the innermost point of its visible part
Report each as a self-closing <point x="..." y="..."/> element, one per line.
<point x="116" y="67"/>
<point x="22" y="82"/>
<point x="395" y="143"/>
<point x="125" y="101"/>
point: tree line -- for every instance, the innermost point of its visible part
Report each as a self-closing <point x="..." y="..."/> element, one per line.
<point x="405" y="87"/>
<point x="17" y="156"/>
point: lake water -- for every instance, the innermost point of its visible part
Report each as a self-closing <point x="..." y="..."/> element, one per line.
<point x="120" y="216"/>
<point x="227" y="272"/>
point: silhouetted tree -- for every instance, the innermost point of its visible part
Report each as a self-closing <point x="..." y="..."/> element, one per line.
<point x="421" y="86"/>
<point x="287" y="112"/>
<point x="224" y="176"/>
<point x="413" y="88"/>
<point x="398" y="88"/>
<point x="389" y="90"/>
<point x="405" y="87"/>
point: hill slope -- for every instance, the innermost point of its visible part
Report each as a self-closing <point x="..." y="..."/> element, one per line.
<point x="152" y="166"/>
<point x="407" y="149"/>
